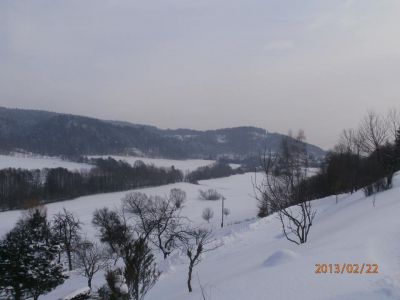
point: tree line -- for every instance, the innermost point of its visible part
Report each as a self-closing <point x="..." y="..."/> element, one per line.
<point x="364" y="158"/>
<point x="20" y="188"/>
<point x="216" y="170"/>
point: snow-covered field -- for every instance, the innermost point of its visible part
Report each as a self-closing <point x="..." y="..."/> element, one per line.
<point x="183" y="165"/>
<point x="237" y="190"/>
<point x="256" y="261"/>
<point x="39" y="162"/>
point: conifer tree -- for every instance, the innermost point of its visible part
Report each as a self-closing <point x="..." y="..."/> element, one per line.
<point x="28" y="266"/>
<point x="140" y="270"/>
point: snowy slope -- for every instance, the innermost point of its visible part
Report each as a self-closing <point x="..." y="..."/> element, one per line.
<point x="39" y="162"/>
<point x="256" y="261"/>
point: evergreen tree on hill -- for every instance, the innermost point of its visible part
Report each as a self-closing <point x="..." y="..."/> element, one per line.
<point x="28" y="266"/>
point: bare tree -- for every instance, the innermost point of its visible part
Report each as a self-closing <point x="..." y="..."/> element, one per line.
<point x="207" y="214"/>
<point x="139" y="205"/>
<point x="373" y="133"/>
<point x="349" y="142"/>
<point x="393" y="120"/>
<point x="284" y="189"/>
<point x="195" y="244"/>
<point x="376" y="132"/>
<point x="169" y="226"/>
<point x="66" y="227"/>
<point x="158" y="218"/>
<point x="90" y="259"/>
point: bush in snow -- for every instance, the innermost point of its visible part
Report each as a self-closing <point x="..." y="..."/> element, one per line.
<point x="116" y="287"/>
<point x="210" y="194"/>
<point x="178" y="197"/>
<point x="226" y="212"/>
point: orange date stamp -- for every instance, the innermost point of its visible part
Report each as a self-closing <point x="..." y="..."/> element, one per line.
<point x="346" y="268"/>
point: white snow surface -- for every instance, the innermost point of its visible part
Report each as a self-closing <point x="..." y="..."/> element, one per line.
<point x="39" y="162"/>
<point x="183" y="165"/>
<point x="255" y="260"/>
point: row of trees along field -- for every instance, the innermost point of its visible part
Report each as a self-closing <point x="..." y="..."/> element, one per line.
<point x="35" y="255"/>
<point x="365" y="158"/>
<point x="216" y="170"/>
<point x="19" y="187"/>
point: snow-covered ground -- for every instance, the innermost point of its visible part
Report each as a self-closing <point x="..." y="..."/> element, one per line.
<point x="30" y="161"/>
<point x="183" y="165"/>
<point x="39" y="162"/>
<point x="256" y="261"/>
<point x="236" y="189"/>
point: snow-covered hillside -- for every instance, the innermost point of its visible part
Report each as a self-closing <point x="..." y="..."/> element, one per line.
<point x="256" y="261"/>
<point x="39" y="162"/>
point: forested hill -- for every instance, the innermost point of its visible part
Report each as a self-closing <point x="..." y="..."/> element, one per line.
<point x="51" y="133"/>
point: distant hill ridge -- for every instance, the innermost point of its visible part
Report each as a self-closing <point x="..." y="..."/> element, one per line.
<point x="50" y="133"/>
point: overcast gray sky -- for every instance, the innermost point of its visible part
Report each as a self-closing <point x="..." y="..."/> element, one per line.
<point x="203" y="64"/>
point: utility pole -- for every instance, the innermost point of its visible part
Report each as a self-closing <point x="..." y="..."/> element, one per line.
<point x="222" y="212"/>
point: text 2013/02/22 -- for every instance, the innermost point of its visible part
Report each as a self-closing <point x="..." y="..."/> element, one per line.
<point x="346" y="268"/>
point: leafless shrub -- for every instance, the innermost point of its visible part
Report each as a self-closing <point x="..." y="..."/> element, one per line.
<point x="207" y="214"/>
<point x="178" y="197"/>
<point x="226" y="212"/>
<point x="210" y="194"/>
